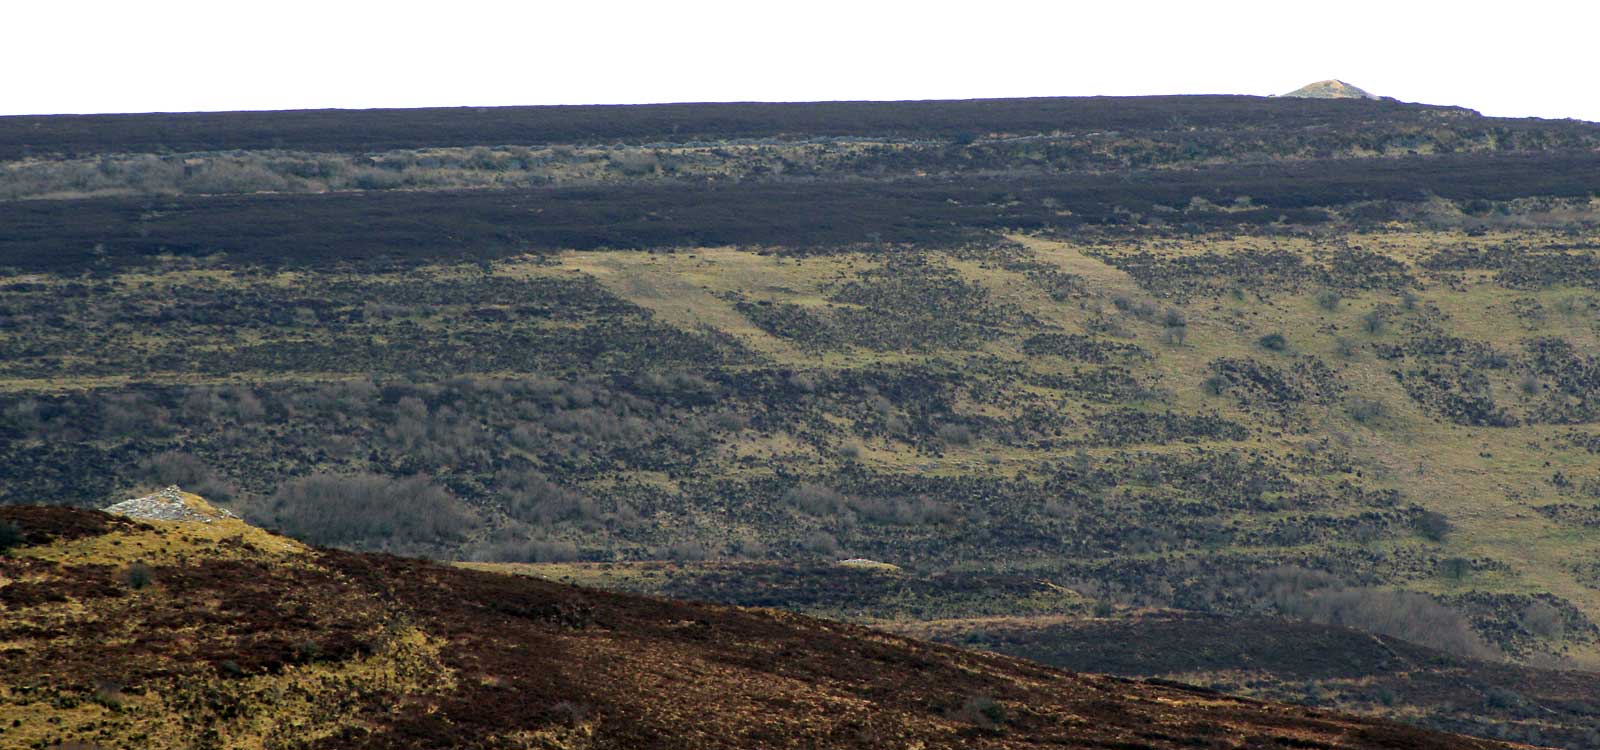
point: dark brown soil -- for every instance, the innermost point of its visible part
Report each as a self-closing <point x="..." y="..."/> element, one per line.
<point x="45" y="524"/>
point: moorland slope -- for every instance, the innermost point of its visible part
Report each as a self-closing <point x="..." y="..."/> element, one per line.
<point x="192" y="634"/>
<point x="1329" y="360"/>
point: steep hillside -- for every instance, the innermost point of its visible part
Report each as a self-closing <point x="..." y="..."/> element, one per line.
<point x="161" y="634"/>
<point x="1250" y="359"/>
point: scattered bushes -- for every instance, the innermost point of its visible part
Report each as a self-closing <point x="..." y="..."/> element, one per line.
<point x="816" y="499"/>
<point x="824" y="502"/>
<point x="1280" y="391"/>
<point x="1406" y="615"/>
<point x="1273" y="342"/>
<point x="530" y="497"/>
<point x="1141" y="309"/>
<point x="524" y="551"/>
<point x="368" y="510"/>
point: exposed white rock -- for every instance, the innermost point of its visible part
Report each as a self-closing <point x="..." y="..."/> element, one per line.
<point x="167" y="505"/>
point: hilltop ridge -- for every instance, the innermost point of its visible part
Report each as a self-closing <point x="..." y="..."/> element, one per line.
<point x="1330" y="89"/>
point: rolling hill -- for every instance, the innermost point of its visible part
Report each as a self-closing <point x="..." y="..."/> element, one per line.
<point x="208" y="633"/>
<point x="1136" y="364"/>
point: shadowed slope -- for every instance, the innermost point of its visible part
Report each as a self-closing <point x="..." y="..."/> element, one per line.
<point x="256" y="646"/>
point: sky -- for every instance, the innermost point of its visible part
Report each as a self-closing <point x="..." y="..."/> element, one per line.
<point x="1526" y="59"/>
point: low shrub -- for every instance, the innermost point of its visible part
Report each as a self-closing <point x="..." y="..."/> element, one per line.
<point x="1433" y="526"/>
<point x="136" y="576"/>
<point x="1328" y="299"/>
<point x="1367" y="410"/>
<point x="368" y="510"/>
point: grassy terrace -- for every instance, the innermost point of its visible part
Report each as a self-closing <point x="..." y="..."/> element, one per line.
<point x="1055" y="364"/>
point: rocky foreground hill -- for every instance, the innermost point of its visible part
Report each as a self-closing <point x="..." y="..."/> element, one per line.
<point x="207" y="632"/>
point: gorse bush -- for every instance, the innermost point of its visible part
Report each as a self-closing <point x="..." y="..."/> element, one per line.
<point x="1216" y="385"/>
<point x="1433" y="526"/>
<point x="137" y="576"/>
<point x="367" y="510"/>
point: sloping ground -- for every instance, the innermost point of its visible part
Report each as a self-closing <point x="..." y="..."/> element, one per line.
<point x="230" y="644"/>
<point x="1301" y="662"/>
<point x="1336" y="667"/>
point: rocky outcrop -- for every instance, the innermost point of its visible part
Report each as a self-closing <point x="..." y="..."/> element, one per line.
<point x="170" y="504"/>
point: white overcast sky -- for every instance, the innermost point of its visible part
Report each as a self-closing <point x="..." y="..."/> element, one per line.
<point x="1528" y="58"/>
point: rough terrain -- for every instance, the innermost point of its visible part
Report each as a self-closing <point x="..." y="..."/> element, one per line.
<point x="249" y="641"/>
